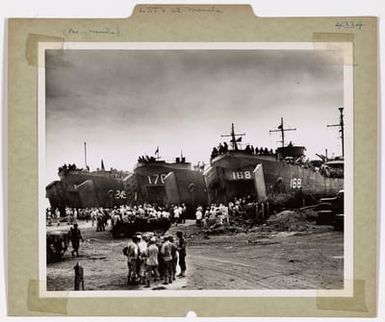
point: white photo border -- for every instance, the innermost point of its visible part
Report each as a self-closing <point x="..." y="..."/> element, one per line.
<point x="345" y="47"/>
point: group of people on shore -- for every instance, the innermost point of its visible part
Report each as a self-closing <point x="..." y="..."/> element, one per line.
<point x="155" y="258"/>
<point x="100" y="216"/>
<point x="219" y="213"/>
<point x="151" y="257"/>
<point x="70" y="215"/>
<point x="127" y="214"/>
<point x="222" y="214"/>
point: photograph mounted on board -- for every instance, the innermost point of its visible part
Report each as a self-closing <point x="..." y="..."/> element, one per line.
<point x="186" y="167"/>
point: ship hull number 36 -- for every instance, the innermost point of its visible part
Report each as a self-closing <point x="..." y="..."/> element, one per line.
<point x="117" y="194"/>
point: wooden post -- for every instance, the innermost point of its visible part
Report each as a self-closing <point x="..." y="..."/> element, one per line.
<point x="79" y="277"/>
<point x="256" y="221"/>
<point x="263" y="212"/>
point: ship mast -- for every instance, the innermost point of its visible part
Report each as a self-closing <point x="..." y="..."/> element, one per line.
<point x="341" y="125"/>
<point x="234" y="138"/>
<point x="282" y="130"/>
<point x="85" y="154"/>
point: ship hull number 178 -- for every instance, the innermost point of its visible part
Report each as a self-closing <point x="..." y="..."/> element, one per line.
<point x="156" y="179"/>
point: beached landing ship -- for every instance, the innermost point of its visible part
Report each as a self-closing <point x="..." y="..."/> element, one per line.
<point x="80" y="188"/>
<point x="157" y="181"/>
<point x="263" y="174"/>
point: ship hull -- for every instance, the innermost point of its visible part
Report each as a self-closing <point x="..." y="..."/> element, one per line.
<point x="236" y="175"/>
<point x="80" y="189"/>
<point x="186" y="186"/>
<point x="166" y="184"/>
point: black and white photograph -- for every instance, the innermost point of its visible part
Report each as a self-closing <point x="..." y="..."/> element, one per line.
<point x="195" y="167"/>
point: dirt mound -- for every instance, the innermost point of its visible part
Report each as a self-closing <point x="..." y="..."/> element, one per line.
<point x="300" y="220"/>
<point x="240" y="221"/>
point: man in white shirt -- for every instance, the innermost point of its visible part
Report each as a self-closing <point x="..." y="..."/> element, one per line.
<point x="152" y="263"/>
<point x="177" y="213"/>
<point x="142" y="248"/>
<point x="198" y="216"/>
<point x="115" y="217"/>
<point x="165" y="214"/>
<point x="225" y="212"/>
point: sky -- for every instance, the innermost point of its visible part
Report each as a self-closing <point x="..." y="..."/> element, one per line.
<point x="125" y="103"/>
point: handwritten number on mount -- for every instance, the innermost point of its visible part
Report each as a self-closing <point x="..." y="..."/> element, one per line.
<point x="349" y="25"/>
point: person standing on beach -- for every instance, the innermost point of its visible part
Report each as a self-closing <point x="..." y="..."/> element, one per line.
<point x="181" y="247"/>
<point x="75" y="236"/>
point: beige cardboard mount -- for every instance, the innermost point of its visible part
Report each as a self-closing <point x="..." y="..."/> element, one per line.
<point x="185" y="23"/>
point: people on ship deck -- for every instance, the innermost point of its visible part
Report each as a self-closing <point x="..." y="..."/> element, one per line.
<point x="223" y="148"/>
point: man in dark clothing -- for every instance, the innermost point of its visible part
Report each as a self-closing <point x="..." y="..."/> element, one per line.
<point x="174" y="260"/>
<point x="181" y="247"/>
<point x="250" y="209"/>
<point x="166" y="251"/>
<point x="214" y="153"/>
<point x="75" y="236"/>
<point x="132" y="253"/>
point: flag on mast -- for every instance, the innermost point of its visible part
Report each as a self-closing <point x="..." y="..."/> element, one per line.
<point x="157" y="151"/>
<point x="102" y="164"/>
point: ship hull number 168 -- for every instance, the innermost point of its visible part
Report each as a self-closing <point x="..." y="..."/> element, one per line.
<point x="241" y="175"/>
<point x="295" y="183"/>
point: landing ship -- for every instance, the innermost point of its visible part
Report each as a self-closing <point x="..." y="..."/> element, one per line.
<point x="164" y="183"/>
<point x="235" y="172"/>
<point x="81" y="188"/>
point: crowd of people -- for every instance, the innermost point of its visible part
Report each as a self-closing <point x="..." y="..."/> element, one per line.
<point x="69" y="215"/>
<point x="100" y="216"/>
<point x="223" y="148"/>
<point x="152" y="257"/>
<point x="127" y="214"/>
<point x="149" y="257"/>
<point x="146" y="158"/>
<point x="155" y="258"/>
<point x="69" y="167"/>
<point x="219" y="213"/>
<point x="223" y="214"/>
